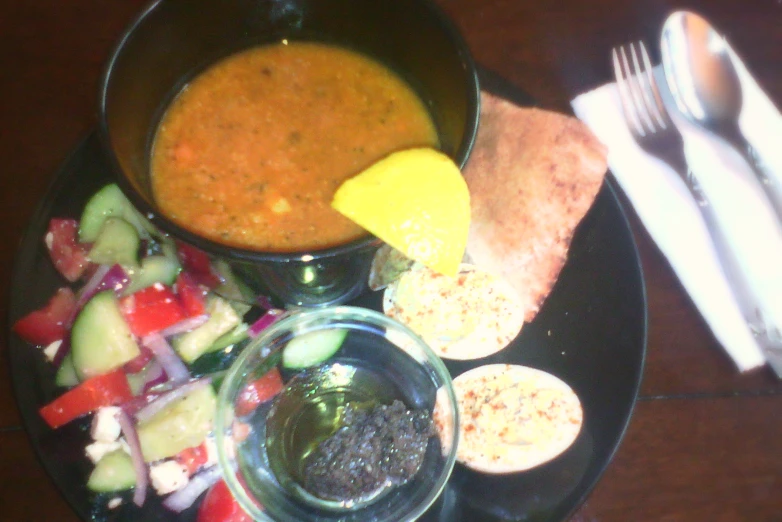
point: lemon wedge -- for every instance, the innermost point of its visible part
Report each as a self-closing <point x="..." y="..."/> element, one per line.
<point x="415" y="200"/>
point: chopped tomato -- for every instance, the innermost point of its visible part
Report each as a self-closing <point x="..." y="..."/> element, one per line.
<point x="151" y="309"/>
<point x="138" y="364"/>
<point x="191" y="295"/>
<point x="193" y="458"/>
<point x="220" y="506"/>
<point x="258" y="392"/>
<point x="108" y="389"/>
<point x="68" y="255"/>
<point x="197" y="263"/>
<point x="50" y="323"/>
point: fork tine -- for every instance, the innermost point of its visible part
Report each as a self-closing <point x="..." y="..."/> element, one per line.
<point x="628" y="106"/>
<point x="656" y="106"/>
<point x="643" y="74"/>
<point x="636" y="89"/>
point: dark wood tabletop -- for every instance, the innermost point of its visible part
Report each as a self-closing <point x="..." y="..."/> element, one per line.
<point x="704" y="442"/>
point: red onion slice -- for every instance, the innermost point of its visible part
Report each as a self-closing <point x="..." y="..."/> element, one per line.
<point x="184" y="498"/>
<point x="186" y="325"/>
<point x="105" y="277"/>
<point x="266" y="320"/>
<point x="88" y="290"/>
<point x="139" y="402"/>
<point x="155" y="375"/>
<point x="156" y="405"/>
<point x="139" y="466"/>
<point x="174" y="367"/>
<point x="116" y="279"/>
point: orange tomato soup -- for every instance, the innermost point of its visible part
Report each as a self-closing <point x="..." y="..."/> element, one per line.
<point x="251" y="152"/>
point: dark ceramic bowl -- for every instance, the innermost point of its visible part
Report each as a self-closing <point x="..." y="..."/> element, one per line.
<point x="173" y="40"/>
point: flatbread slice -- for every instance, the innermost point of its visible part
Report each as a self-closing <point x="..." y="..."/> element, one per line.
<point x="532" y="175"/>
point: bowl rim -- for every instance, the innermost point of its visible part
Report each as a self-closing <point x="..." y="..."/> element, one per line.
<point x="233" y="379"/>
<point x="236" y="253"/>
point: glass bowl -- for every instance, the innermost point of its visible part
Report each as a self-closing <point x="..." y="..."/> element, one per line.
<point x="338" y="366"/>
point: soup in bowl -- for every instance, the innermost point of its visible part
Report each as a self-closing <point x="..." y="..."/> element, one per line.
<point x="251" y="152"/>
<point x="230" y="125"/>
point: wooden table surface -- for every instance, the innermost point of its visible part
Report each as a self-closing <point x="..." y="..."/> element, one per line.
<point x="704" y="443"/>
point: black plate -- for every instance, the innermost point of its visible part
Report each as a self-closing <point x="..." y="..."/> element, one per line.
<point x="591" y="332"/>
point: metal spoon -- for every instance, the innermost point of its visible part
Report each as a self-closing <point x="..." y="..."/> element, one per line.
<point x="706" y="88"/>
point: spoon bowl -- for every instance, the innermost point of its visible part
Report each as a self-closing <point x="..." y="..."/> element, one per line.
<point x="707" y="90"/>
<point x="700" y="73"/>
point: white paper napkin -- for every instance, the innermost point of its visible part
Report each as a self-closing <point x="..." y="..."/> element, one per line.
<point x="671" y="217"/>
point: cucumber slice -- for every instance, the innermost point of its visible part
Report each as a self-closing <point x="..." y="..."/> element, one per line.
<point x="66" y="373"/>
<point x="183" y="424"/>
<point x="213" y="363"/>
<point x="117" y="242"/>
<point x="114" y="472"/>
<point x="240" y="308"/>
<point x="222" y="353"/>
<point x="153" y="269"/>
<point x="137" y="380"/>
<point x="107" y="202"/>
<point x="234" y="289"/>
<point x="237" y="335"/>
<point x="100" y="338"/>
<point x="222" y="319"/>
<point x="168" y="247"/>
<point x="312" y="348"/>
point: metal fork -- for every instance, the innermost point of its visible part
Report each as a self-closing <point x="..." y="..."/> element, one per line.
<point x="652" y="128"/>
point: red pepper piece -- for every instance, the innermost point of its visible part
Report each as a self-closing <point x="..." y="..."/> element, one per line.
<point x="108" y="389"/>
<point x="191" y="295"/>
<point x="220" y="506"/>
<point x="50" y="323"/>
<point x="68" y="255"/>
<point x="258" y="392"/>
<point x="193" y="458"/>
<point x="197" y="263"/>
<point x="151" y="309"/>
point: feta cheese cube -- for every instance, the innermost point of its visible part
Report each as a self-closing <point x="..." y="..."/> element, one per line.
<point x="105" y="426"/>
<point x="168" y="476"/>
<point x="211" y="452"/>
<point x="98" y="449"/>
<point x="51" y="350"/>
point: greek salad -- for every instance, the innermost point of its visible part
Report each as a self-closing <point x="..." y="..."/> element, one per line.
<point x="140" y="334"/>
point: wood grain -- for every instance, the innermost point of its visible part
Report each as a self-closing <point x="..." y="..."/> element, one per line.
<point x="704" y="442"/>
<point x="715" y="459"/>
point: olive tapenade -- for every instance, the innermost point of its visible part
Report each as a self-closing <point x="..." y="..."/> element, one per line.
<point x="375" y="448"/>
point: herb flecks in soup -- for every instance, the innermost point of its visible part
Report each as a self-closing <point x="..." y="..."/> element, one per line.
<point x="252" y="150"/>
